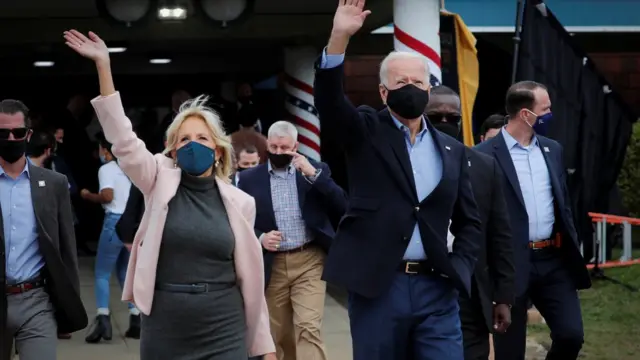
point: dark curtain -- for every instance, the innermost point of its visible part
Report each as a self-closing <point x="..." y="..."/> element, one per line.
<point x="591" y="122"/>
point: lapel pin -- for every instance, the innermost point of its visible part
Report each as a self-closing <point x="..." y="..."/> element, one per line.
<point x="41" y="183"/>
<point x="448" y="148"/>
<point x="546" y="149"/>
<point x="469" y="162"/>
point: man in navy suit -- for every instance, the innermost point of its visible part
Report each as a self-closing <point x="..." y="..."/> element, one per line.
<point x="549" y="266"/>
<point x="295" y="200"/>
<point x="406" y="181"/>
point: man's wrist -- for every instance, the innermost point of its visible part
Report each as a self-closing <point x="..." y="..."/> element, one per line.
<point x="311" y="172"/>
<point x="338" y="42"/>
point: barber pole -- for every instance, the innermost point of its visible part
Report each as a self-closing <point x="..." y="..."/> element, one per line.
<point x="417" y="29"/>
<point x="299" y="75"/>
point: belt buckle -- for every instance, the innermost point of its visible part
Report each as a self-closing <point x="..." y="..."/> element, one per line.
<point x="406" y="267"/>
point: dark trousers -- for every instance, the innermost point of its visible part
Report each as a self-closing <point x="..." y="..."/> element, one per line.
<point x="417" y="318"/>
<point x="475" y="332"/>
<point x="554" y="294"/>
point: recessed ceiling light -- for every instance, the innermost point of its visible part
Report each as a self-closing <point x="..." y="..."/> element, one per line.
<point x="160" y="61"/>
<point x="117" y="49"/>
<point x="43" y="63"/>
<point x="172" y="13"/>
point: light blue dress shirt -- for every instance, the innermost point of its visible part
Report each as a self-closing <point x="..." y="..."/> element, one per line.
<point x="535" y="184"/>
<point x="22" y="252"/>
<point x="426" y="164"/>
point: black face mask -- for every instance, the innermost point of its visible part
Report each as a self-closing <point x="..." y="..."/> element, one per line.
<point x="244" y="100"/>
<point x="241" y="169"/>
<point x="280" y="161"/>
<point x="408" y="101"/>
<point x="12" y="150"/>
<point x="448" y="128"/>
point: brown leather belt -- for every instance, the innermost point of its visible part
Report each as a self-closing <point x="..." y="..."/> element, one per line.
<point x="24" y="287"/>
<point x="416" y="267"/>
<point x="295" y="250"/>
<point x="555" y="242"/>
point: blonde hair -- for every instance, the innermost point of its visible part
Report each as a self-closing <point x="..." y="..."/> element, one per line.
<point x="197" y="108"/>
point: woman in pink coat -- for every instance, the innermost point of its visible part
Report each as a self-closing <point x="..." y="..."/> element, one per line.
<point x="195" y="257"/>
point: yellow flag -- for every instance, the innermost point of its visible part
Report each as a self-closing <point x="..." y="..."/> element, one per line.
<point x="468" y="74"/>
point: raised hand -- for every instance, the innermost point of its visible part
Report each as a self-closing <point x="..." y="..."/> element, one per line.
<point x="91" y="47"/>
<point x="301" y="163"/>
<point x="349" y="17"/>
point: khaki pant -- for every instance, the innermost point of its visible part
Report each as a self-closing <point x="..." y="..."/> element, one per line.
<point x="295" y="297"/>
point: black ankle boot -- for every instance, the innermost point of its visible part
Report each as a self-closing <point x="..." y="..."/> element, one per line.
<point x="101" y="329"/>
<point x="134" y="327"/>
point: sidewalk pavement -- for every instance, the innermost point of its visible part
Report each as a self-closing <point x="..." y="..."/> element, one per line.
<point x="335" y="327"/>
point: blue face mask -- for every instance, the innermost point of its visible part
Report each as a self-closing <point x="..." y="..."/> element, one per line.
<point x="541" y="126"/>
<point x="195" y="158"/>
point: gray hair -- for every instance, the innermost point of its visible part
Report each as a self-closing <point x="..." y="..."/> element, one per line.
<point x="283" y="129"/>
<point x="395" y="55"/>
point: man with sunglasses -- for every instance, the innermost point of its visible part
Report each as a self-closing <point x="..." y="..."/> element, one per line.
<point x="38" y="266"/>
<point x="492" y="288"/>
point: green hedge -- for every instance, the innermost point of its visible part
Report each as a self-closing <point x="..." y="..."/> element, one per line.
<point x="629" y="179"/>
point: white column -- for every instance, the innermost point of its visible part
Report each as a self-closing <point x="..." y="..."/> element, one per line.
<point x="299" y="75"/>
<point x="417" y="29"/>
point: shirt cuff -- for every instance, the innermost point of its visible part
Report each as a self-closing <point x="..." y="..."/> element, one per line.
<point x="330" y="61"/>
<point x="312" y="179"/>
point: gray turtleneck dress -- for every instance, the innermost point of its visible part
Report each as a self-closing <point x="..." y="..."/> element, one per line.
<point x="197" y="247"/>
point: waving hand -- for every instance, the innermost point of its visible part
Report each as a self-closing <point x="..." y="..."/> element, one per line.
<point x="91" y="47"/>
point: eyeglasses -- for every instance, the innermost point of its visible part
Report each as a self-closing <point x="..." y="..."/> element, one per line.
<point x="450" y="118"/>
<point x="18" y="133"/>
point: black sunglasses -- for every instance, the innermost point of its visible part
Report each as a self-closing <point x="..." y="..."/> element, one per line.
<point x="450" y="118"/>
<point x="18" y="133"/>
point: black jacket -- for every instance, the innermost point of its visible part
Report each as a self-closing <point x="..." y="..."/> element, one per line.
<point x="129" y="222"/>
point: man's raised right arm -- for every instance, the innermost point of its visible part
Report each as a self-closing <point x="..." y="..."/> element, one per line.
<point x="337" y="115"/>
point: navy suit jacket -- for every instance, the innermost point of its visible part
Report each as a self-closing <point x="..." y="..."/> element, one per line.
<point x="318" y="202"/>
<point x="383" y="204"/>
<point x="519" y="218"/>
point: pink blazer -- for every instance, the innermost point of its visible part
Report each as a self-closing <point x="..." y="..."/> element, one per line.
<point x="157" y="178"/>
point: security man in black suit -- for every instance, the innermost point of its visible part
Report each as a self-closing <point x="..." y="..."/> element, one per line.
<point x="549" y="265"/>
<point x="492" y="288"/>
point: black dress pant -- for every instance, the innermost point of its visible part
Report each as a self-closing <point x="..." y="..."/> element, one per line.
<point x="553" y="292"/>
<point x="475" y="333"/>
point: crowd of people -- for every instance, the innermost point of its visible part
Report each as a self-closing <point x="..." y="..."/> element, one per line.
<point x="222" y="243"/>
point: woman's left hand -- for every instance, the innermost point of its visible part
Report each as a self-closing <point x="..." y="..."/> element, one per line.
<point x="271" y="356"/>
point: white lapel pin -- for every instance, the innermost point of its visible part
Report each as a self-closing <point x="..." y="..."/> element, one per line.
<point x="41" y="183"/>
<point x="469" y="162"/>
<point x="448" y="148"/>
<point x="546" y="149"/>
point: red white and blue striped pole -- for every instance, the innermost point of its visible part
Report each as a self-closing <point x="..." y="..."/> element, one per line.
<point x="417" y="29"/>
<point x="299" y="74"/>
